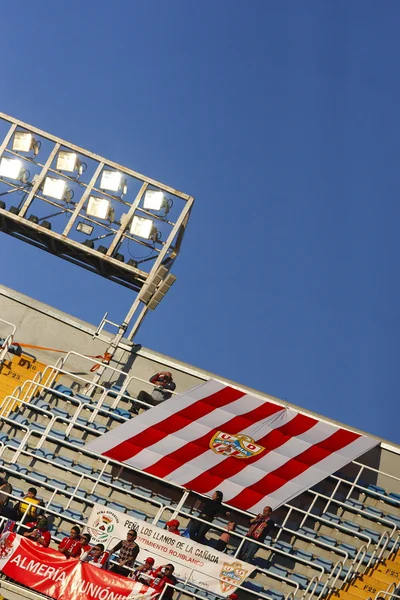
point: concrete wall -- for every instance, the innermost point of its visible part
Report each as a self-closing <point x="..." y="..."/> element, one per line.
<point x="42" y="325"/>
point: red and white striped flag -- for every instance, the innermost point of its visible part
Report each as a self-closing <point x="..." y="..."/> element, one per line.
<point x="215" y="437"/>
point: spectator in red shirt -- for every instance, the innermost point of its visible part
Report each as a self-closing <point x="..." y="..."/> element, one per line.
<point x="85" y="541"/>
<point x="96" y="556"/>
<point x="162" y="576"/>
<point x="172" y="526"/>
<point x="71" y="546"/>
<point x="145" y="573"/>
<point x="40" y="534"/>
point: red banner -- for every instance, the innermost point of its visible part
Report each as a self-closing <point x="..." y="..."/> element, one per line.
<point x="48" y="572"/>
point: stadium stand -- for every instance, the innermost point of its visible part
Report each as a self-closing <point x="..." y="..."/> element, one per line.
<point x="340" y="538"/>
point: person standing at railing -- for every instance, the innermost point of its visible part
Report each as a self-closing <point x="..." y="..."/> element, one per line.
<point x="163" y="386"/>
<point x="260" y="527"/>
<point x="128" y="551"/>
<point x="211" y="508"/>
<point x="225" y="536"/>
<point x="164" y="576"/>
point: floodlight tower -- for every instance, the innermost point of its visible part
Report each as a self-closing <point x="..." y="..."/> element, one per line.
<point x="69" y="199"/>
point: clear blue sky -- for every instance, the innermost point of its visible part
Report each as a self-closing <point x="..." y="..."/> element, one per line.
<point x="282" y="119"/>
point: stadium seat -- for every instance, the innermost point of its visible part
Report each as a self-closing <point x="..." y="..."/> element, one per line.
<point x="279" y="571"/>
<point x="274" y="594"/>
<point x="300" y="579"/>
<point x="375" y="490"/>
<point x="374" y="535"/>
<point x="354" y="503"/>
<point x="371" y="510"/>
<point x="327" y="539"/>
<point x="308" y="532"/>
<point x="393" y="498"/>
<point x="326" y="564"/>
<point x="351" y="550"/>
<point x="351" y="525"/>
<point x="62" y="389"/>
<point x="331" y="517"/>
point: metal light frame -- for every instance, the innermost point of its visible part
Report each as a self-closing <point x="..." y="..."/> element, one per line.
<point x="62" y="245"/>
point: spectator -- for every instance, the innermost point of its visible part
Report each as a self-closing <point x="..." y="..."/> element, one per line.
<point x="30" y="503"/>
<point x="172" y="526"/>
<point x="5" y="488"/>
<point x="233" y="597"/>
<point x="163" y="576"/>
<point x="96" y="556"/>
<point x="85" y="541"/>
<point x="145" y="573"/>
<point x="261" y="525"/>
<point x="163" y="385"/>
<point x="71" y="546"/>
<point x="40" y="534"/>
<point x="211" y="508"/>
<point x="128" y="551"/>
<point x="225" y="536"/>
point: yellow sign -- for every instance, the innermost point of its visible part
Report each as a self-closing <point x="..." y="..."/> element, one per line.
<point x="14" y="373"/>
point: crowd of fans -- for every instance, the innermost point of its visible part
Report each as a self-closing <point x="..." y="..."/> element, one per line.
<point x="34" y="524"/>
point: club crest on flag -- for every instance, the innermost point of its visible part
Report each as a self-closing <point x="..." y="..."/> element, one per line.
<point x="6" y="544"/>
<point x="232" y="575"/>
<point x="235" y="446"/>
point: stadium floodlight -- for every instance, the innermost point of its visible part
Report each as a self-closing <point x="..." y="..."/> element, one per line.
<point x="67" y="161"/>
<point x="11" y="168"/>
<point x="153" y="199"/>
<point x="113" y="181"/>
<point x="84" y="228"/>
<point x="23" y="141"/>
<point x="98" y="207"/>
<point x="142" y="227"/>
<point x="54" y="188"/>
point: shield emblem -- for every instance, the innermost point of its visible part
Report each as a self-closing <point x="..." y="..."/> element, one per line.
<point x="235" y="446"/>
<point x="232" y="575"/>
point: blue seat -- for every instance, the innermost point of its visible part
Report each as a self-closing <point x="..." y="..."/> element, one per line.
<point x="76" y="441"/>
<point x="263" y="563"/>
<point x="82" y="468"/>
<point x="253" y="586"/>
<point x="393" y="499"/>
<point x="374" y="535"/>
<point x="308" y="532"/>
<point x="116" y="388"/>
<point x="97" y="499"/>
<point x="62" y="389"/>
<point x="303" y="554"/>
<point x="70" y="513"/>
<point x="330" y="517"/>
<point x="327" y="539"/>
<point x="374" y="512"/>
<point x="376" y="491"/>
<point x="279" y="571"/>
<point x="63" y="460"/>
<point x="300" y="579"/>
<point x="274" y="594"/>
<point x="123" y="413"/>
<point x="83" y="398"/>
<point x="354" y="503"/>
<point x="143" y="491"/>
<point x="37" y="426"/>
<point x="40" y="403"/>
<point x="324" y="563"/>
<point x="38" y="476"/>
<point x="395" y="519"/>
<point x="284" y="546"/>
<point x="60" y="412"/>
<point x="117" y="506"/>
<point x="351" y="525"/>
<point x="138" y="514"/>
<point x="57" y="483"/>
<point x="351" y="550"/>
